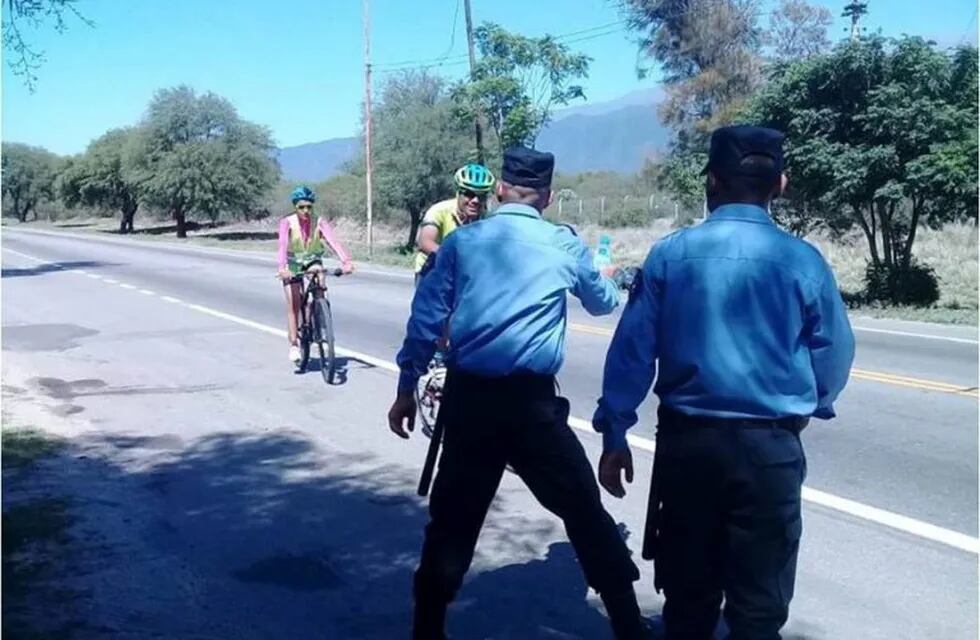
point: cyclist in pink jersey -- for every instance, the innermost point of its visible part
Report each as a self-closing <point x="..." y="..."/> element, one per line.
<point x="302" y="239"/>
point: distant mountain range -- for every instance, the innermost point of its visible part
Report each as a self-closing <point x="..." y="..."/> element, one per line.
<point x="617" y="135"/>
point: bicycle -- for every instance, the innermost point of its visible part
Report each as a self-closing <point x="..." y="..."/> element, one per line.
<point x="428" y="395"/>
<point x="316" y="321"/>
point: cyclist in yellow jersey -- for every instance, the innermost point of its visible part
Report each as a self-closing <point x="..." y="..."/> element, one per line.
<point x="474" y="182"/>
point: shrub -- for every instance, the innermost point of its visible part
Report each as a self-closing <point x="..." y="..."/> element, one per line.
<point x="915" y="285"/>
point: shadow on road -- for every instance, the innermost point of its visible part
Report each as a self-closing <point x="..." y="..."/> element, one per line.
<point x="164" y="229"/>
<point x="263" y="534"/>
<point x="51" y="267"/>
<point x="243" y="235"/>
<point x="342" y="368"/>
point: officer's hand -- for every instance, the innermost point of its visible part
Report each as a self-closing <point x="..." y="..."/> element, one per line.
<point x="402" y="415"/>
<point x="611" y="465"/>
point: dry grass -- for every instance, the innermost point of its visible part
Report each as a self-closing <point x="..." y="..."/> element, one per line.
<point x="951" y="251"/>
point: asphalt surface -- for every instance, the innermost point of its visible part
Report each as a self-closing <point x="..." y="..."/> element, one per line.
<point x="261" y="467"/>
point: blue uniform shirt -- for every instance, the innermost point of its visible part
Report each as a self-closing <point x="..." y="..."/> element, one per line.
<point x="745" y="321"/>
<point x="503" y="282"/>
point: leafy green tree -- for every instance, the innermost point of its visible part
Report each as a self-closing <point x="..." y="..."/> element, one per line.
<point x="27" y="176"/>
<point x="710" y="55"/>
<point x="517" y="83"/>
<point x="880" y="134"/>
<point x="105" y="177"/>
<point x="196" y="156"/>
<point x="418" y="144"/>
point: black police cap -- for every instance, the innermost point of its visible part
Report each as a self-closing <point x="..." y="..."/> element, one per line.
<point x="731" y="145"/>
<point x="525" y="167"/>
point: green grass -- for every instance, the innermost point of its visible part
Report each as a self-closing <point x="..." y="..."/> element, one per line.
<point x="36" y="539"/>
<point x="24" y="447"/>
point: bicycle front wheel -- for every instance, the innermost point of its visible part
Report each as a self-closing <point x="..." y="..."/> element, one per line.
<point x="324" y="336"/>
<point x="305" y="340"/>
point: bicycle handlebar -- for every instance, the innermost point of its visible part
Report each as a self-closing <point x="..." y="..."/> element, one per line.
<point x="327" y="272"/>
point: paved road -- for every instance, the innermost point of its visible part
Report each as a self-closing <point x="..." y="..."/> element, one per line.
<point x="890" y="546"/>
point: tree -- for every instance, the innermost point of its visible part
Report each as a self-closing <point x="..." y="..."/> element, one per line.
<point x="710" y="54"/>
<point x="105" y="177"/>
<point x="28" y="175"/>
<point x="798" y="30"/>
<point x="196" y="156"/>
<point x="22" y="59"/>
<point x="518" y="81"/>
<point x="418" y="144"/>
<point x="882" y="135"/>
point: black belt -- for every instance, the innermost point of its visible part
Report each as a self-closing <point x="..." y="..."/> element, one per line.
<point x="672" y="420"/>
<point x="521" y="382"/>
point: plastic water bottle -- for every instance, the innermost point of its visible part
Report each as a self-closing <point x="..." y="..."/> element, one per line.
<point x="603" y="253"/>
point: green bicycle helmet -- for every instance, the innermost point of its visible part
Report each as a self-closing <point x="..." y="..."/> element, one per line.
<point x="475" y="178"/>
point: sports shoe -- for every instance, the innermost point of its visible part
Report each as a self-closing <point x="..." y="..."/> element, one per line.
<point x="294" y="354"/>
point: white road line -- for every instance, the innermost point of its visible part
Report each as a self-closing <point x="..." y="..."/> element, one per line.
<point x="911" y="334"/>
<point x="126" y="286"/>
<point x="882" y="517"/>
<point x="147" y="292"/>
<point x="24" y="255"/>
<point x="93" y="276"/>
<point x="893" y="520"/>
<point x="171" y="300"/>
<point x="110" y="281"/>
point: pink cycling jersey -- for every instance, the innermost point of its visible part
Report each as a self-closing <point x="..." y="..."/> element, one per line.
<point x="326" y="231"/>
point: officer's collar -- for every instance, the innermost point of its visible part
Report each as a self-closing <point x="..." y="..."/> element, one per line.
<point x="743" y="212"/>
<point x="516" y="209"/>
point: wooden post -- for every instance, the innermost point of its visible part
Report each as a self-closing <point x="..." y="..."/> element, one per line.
<point x="478" y="127"/>
<point x="367" y="128"/>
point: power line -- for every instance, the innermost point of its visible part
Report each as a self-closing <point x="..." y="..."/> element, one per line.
<point x="572" y="37"/>
<point x="427" y="62"/>
<point x="970" y="26"/>
<point x="452" y="36"/>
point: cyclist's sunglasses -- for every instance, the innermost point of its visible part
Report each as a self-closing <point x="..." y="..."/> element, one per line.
<point x="304" y="207"/>
<point x="470" y="195"/>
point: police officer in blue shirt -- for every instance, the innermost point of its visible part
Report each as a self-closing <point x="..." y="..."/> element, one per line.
<point x="749" y="333"/>
<point x="504" y="282"/>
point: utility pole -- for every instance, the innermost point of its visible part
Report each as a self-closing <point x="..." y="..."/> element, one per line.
<point x="854" y="11"/>
<point x="477" y="118"/>
<point x="367" y="128"/>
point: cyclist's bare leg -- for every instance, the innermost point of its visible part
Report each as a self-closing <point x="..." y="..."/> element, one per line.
<point x="294" y="298"/>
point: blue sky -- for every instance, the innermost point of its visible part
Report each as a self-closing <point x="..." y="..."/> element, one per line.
<point x="297" y="65"/>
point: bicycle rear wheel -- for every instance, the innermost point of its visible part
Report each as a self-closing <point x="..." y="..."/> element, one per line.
<point x="324" y="337"/>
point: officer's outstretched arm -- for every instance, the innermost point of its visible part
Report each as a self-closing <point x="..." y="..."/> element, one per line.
<point x="631" y="363"/>
<point x="431" y="306"/>
<point x="599" y="295"/>
<point x="831" y="343"/>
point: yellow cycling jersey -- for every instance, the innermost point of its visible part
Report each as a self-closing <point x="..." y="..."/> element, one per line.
<point x="443" y="217"/>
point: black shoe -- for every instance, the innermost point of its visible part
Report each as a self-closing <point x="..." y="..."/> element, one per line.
<point x="429" y="621"/>
<point x="624" y="617"/>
